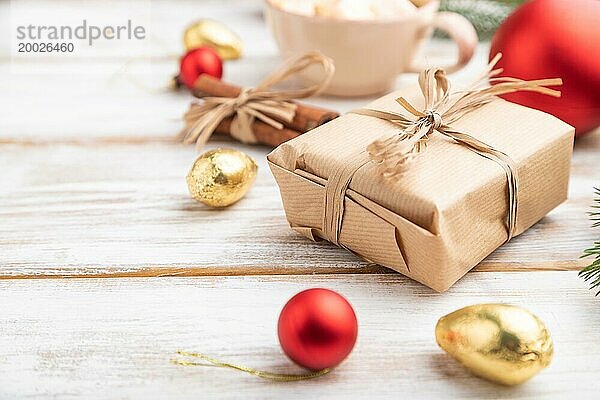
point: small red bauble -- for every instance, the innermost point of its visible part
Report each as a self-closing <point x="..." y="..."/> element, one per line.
<point x="317" y="329"/>
<point x="555" y="39"/>
<point x="203" y="60"/>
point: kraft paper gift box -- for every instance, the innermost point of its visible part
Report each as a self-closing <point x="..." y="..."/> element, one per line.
<point x="447" y="211"/>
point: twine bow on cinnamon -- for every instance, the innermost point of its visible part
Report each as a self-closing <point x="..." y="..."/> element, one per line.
<point x="442" y="108"/>
<point x="262" y="102"/>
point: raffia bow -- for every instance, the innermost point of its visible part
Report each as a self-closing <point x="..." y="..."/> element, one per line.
<point x="442" y="108"/>
<point x="262" y="103"/>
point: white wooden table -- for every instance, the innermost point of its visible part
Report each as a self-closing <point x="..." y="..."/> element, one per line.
<point x="92" y="186"/>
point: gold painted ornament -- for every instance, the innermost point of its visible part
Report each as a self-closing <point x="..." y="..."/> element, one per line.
<point x="502" y="343"/>
<point x="216" y="35"/>
<point x="221" y="177"/>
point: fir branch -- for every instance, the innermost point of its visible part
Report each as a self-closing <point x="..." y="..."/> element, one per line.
<point x="592" y="272"/>
<point x="485" y="15"/>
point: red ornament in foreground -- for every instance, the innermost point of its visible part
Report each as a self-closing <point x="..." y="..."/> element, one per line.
<point x="555" y="39"/>
<point x="317" y="329"/>
<point x="203" y="60"/>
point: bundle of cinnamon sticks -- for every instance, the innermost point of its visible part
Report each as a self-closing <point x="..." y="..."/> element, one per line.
<point x="306" y="117"/>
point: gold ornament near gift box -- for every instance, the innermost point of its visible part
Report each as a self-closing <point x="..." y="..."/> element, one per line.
<point x="221" y="177"/>
<point x="499" y="342"/>
<point x="428" y="181"/>
<point x="216" y="35"/>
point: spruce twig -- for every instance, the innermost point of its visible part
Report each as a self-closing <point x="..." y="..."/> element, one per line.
<point x="485" y="15"/>
<point x="591" y="273"/>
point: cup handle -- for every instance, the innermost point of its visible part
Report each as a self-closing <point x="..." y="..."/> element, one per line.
<point x="461" y="31"/>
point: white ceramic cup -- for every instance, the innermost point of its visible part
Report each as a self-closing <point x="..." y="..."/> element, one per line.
<point x="369" y="54"/>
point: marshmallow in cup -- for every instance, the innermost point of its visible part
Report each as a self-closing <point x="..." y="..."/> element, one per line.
<point x="370" y="41"/>
<point x="348" y="9"/>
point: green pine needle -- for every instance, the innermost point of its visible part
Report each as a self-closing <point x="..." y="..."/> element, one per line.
<point x="591" y="273"/>
<point x="485" y="15"/>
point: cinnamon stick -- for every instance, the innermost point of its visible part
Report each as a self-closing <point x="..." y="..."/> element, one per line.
<point x="264" y="133"/>
<point x="306" y="117"/>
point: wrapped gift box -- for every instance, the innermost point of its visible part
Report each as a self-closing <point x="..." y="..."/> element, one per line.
<point x="447" y="211"/>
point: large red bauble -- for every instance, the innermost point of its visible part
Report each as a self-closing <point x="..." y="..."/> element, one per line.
<point x="203" y="60"/>
<point x="555" y="39"/>
<point x="317" y="329"/>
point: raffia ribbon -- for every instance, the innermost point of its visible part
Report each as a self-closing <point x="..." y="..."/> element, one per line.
<point x="442" y="108"/>
<point x="262" y="103"/>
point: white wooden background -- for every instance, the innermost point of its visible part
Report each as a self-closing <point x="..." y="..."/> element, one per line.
<point x="92" y="186"/>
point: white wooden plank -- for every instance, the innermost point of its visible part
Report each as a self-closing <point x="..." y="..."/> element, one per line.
<point x="112" y="208"/>
<point x="113" y="338"/>
<point x="125" y="103"/>
<point x="91" y="185"/>
<point x="120" y="95"/>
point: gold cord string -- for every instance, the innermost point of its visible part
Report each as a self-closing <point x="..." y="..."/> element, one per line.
<point x="272" y="376"/>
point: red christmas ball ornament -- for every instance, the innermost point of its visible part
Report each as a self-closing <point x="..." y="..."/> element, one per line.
<point x="317" y="329"/>
<point x="203" y="60"/>
<point x="555" y="39"/>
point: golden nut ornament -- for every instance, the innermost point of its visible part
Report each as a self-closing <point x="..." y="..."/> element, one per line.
<point x="211" y="33"/>
<point x="499" y="342"/>
<point x="221" y="177"/>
